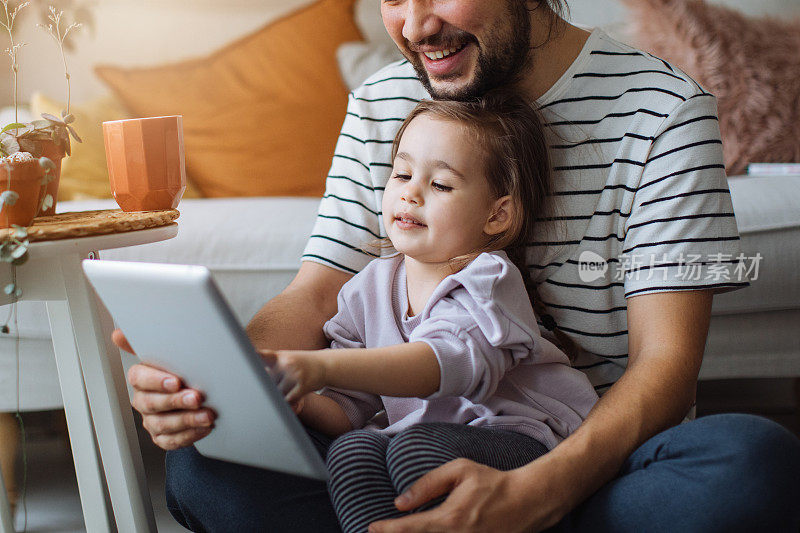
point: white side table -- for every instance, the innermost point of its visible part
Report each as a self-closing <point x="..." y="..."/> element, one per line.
<point x="98" y="412"/>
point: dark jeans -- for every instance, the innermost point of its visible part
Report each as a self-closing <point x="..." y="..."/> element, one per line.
<point x="729" y="472"/>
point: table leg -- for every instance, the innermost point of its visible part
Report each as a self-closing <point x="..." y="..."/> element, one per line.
<point x="88" y="468"/>
<point x="6" y="520"/>
<point x="108" y="399"/>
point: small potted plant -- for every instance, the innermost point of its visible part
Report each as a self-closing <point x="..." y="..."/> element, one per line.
<point x="31" y="153"/>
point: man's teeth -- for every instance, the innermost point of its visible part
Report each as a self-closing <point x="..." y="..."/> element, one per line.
<point x="439" y="54"/>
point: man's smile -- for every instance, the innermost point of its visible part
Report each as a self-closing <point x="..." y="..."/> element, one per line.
<point x="443" y="62"/>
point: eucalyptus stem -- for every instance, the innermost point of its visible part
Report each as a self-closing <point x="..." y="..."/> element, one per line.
<point x="55" y="33"/>
<point x="9" y="25"/>
<point x="16" y="88"/>
<point x="63" y="59"/>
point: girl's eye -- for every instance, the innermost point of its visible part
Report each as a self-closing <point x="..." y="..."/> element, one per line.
<point x="403" y="177"/>
<point x="440" y="187"/>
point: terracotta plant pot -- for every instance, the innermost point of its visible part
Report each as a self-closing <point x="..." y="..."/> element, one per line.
<point x="55" y="153"/>
<point x="26" y="180"/>
<point x="145" y="159"/>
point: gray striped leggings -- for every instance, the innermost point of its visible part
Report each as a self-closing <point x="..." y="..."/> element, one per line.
<point x="369" y="470"/>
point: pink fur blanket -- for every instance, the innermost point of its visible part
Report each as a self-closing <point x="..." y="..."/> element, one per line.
<point x="751" y="65"/>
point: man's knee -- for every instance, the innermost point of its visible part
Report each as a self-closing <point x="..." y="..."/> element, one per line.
<point x="181" y="482"/>
<point x="762" y="460"/>
<point x="750" y="440"/>
<point x="205" y="494"/>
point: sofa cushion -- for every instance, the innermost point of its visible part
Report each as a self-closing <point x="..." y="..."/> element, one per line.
<point x="768" y="218"/>
<point x="753" y="345"/>
<point x="262" y="115"/>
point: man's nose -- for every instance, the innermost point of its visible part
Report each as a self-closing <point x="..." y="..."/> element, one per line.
<point x="420" y="21"/>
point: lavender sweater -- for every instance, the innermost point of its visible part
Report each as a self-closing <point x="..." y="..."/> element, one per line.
<point x="496" y="369"/>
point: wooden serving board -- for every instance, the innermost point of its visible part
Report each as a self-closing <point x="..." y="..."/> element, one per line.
<point x="89" y="223"/>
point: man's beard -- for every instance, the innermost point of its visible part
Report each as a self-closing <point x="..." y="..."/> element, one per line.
<point x="501" y="59"/>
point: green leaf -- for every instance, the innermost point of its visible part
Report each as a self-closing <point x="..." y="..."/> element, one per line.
<point x="47" y="203"/>
<point x="19" y="261"/>
<point x="9" y="197"/>
<point x="18" y="252"/>
<point x="47" y="164"/>
<point x="74" y="134"/>
<point x="51" y="118"/>
<point x="10" y="144"/>
<point x="10" y="288"/>
<point x="15" y="126"/>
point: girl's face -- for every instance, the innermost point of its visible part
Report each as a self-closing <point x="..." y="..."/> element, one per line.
<point x="437" y="203"/>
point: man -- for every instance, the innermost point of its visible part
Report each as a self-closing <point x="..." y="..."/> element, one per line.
<point x="640" y="186"/>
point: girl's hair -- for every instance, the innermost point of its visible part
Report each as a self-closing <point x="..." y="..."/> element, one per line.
<point x="517" y="164"/>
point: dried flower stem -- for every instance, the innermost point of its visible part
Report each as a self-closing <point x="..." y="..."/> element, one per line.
<point x="13" y="48"/>
<point x="54" y="29"/>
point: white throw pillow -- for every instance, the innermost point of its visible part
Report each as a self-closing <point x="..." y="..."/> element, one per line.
<point x="359" y="60"/>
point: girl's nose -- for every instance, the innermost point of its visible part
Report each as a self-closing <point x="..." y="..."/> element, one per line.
<point x="420" y="22"/>
<point x="411" y="193"/>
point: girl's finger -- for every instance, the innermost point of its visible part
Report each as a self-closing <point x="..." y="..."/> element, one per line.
<point x="286" y="384"/>
<point x="295" y="394"/>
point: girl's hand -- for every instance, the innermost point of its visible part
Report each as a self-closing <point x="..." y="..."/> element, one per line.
<point x="296" y="372"/>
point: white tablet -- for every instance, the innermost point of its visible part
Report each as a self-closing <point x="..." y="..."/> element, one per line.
<point x="175" y="317"/>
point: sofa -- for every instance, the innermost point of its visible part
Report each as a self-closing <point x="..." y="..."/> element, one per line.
<point x="253" y="244"/>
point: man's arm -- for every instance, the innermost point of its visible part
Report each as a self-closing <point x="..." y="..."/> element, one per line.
<point x="174" y="415"/>
<point x="667" y="334"/>
<point x="293" y="320"/>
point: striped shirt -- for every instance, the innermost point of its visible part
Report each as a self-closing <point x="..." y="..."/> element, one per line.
<point x="641" y="198"/>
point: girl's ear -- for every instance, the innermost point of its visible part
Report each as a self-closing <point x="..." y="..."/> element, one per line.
<point x="502" y="216"/>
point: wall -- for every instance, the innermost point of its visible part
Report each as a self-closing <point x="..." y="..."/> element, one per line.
<point x="144" y="32"/>
<point x="132" y="32"/>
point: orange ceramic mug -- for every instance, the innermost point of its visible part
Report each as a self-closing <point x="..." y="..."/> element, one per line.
<point x="146" y="164"/>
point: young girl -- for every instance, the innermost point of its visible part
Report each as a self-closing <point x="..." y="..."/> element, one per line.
<point x="441" y="335"/>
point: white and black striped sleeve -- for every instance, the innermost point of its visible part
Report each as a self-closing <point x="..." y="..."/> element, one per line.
<point x="349" y="213"/>
<point x="681" y="233"/>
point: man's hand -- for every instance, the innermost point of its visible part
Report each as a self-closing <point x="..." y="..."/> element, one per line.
<point x="297" y="372"/>
<point x="480" y="499"/>
<point x="172" y="414"/>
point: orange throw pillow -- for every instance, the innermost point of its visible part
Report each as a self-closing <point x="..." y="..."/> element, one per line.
<point x="261" y="116"/>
